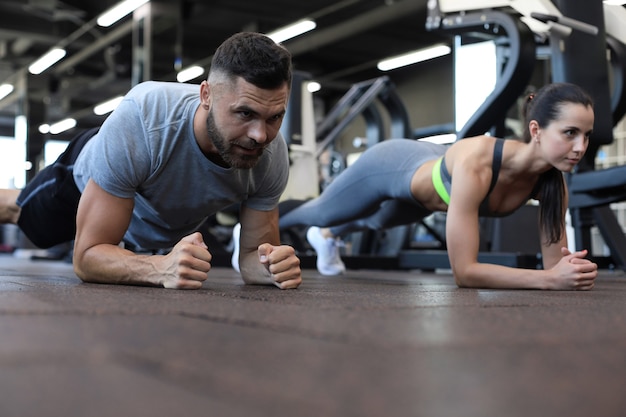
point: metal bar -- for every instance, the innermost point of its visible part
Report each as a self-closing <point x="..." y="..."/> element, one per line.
<point x="358" y="107"/>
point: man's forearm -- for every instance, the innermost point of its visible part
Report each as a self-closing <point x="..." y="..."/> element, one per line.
<point x="110" y="264"/>
<point x="186" y="266"/>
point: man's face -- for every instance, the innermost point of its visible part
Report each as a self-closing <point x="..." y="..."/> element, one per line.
<point x="243" y="119"/>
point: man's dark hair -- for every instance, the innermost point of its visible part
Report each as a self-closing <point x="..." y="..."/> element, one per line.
<point x="254" y="57"/>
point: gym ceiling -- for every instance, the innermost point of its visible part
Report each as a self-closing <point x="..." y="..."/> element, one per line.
<point x="351" y="36"/>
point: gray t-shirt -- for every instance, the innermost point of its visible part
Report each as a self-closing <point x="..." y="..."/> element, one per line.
<point x="146" y="150"/>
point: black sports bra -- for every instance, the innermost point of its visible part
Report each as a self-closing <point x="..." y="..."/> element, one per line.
<point x="496" y="164"/>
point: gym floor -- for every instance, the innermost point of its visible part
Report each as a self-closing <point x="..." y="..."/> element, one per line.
<point x="371" y="343"/>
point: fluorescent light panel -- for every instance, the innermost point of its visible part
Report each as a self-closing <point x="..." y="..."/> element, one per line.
<point x="107" y="106"/>
<point x="49" y="59"/>
<point x="5" y="90"/>
<point x="189" y="73"/>
<point x="313" y="86"/>
<point x="414" y="57"/>
<point x="119" y="11"/>
<point x="62" y="126"/>
<point x="293" y="30"/>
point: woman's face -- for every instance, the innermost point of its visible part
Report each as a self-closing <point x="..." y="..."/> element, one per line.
<point x="565" y="140"/>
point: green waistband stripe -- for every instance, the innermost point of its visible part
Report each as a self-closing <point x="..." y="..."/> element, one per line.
<point x="438" y="182"/>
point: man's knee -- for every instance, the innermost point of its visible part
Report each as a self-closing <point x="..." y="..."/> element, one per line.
<point x="9" y="210"/>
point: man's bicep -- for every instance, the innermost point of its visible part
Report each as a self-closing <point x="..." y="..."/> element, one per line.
<point x="101" y="217"/>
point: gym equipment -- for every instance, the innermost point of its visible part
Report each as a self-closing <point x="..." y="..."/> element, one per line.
<point x="572" y="41"/>
<point x="518" y="63"/>
<point x="515" y="42"/>
<point x="512" y="30"/>
<point x="359" y="100"/>
<point x="391" y="248"/>
<point x="515" y="28"/>
<point x="592" y="191"/>
<point x="298" y="129"/>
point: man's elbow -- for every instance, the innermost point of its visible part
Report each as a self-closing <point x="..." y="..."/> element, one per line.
<point x="246" y="279"/>
<point x="255" y="279"/>
<point x="80" y="269"/>
<point x="81" y="273"/>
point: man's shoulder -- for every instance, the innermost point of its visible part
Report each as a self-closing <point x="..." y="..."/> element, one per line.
<point x="161" y="88"/>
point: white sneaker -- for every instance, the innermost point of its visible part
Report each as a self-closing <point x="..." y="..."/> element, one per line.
<point x="234" y="260"/>
<point x="328" y="260"/>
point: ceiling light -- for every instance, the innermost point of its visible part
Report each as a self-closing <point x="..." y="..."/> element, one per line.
<point x="49" y="59"/>
<point x="107" y="106"/>
<point x="615" y="2"/>
<point x="313" y="86"/>
<point x="414" y="57"/>
<point x="5" y="90"/>
<point x="189" y="73"/>
<point x="62" y="126"/>
<point x="293" y="30"/>
<point x="119" y="11"/>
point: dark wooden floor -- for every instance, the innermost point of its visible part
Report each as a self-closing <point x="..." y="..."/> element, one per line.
<point x="372" y="343"/>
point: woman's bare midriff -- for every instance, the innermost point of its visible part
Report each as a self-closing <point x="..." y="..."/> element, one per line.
<point x="423" y="190"/>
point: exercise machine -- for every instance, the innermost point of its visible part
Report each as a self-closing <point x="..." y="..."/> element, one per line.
<point x="592" y="191"/>
<point x="516" y="46"/>
<point x="509" y="23"/>
<point x="516" y="55"/>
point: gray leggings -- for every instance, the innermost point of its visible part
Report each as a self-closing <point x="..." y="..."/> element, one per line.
<point x="373" y="193"/>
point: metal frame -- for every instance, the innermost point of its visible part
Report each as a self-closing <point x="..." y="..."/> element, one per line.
<point x="591" y="192"/>
<point x="515" y="76"/>
<point x="516" y="73"/>
<point x="359" y="100"/>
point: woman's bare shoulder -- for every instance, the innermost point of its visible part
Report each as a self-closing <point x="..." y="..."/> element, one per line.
<point x="476" y="148"/>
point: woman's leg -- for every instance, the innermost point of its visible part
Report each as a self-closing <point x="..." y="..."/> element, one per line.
<point x="390" y="214"/>
<point x="374" y="192"/>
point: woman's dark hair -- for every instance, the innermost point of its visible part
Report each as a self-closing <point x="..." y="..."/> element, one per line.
<point x="544" y="107"/>
<point x="254" y="57"/>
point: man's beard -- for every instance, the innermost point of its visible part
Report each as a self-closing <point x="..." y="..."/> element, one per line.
<point x="224" y="147"/>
